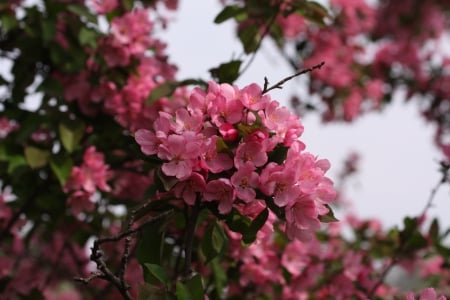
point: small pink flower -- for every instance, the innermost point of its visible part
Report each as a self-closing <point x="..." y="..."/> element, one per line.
<point x="222" y="191"/>
<point x="253" y="152"/>
<point x="245" y="181"/>
<point x="188" y="189"/>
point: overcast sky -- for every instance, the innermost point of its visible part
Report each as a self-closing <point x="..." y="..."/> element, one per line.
<point x="399" y="161"/>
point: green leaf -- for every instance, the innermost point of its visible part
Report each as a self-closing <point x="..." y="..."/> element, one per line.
<point x="250" y="235"/>
<point x="433" y="232"/>
<point x="164" y="90"/>
<point x="250" y="38"/>
<point x="158" y="272"/>
<point x="220" y="277"/>
<point x="16" y="161"/>
<point x="314" y="11"/>
<point x="278" y="154"/>
<point x="71" y="135"/>
<point x="61" y="166"/>
<point x="229" y="12"/>
<point x="148" y="291"/>
<point x="213" y="242"/>
<point x="237" y="222"/>
<point x="183" y="292"/>
<point x="82" y="11"/>
<point x="227" y="72"/>
<point x="48" y="29"/>
<point x="8" y="22"/>
<point x="36" y="158"/>
<point x="195" y="287"/>
<point x="88" y="37"/>
<point x="329" y="217"/>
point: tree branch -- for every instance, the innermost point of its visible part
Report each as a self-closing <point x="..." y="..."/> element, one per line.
<point x="279" y="84"/>
<point x="103" y="270"/>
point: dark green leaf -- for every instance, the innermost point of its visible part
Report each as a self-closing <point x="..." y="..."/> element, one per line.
<point x="278" y="154"/>
<point x="229" y="12"/>
<point x="48" y="29"/>
<point x="82" y="11"/>
<point x="195" y="287"/>
<point x="213" y="242"/>
<point x="183" y="292"/>
<point x="250" y="38"/>
<point x="250" y="235"/>
<point x="329" y="217"/>
<point x="433" y="232"/>
<point x="158" y="272"/>
<point x="227" y="72"/>
<point x="151" y="292"/>
<point x="237" y="222"/>
<point x="16" y="161"/>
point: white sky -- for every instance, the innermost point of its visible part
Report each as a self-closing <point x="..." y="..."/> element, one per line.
<point x="398" y="168"/>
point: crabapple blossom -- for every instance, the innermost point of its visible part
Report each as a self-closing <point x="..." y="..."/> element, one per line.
<point x="230" y="145"/>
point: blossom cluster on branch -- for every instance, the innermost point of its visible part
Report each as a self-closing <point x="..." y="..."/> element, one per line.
<point x="124" y="183"/>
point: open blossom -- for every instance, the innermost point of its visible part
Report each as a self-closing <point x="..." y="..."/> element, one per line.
<point x="230" y="146"/>
<point x="86" y="179"/>
<point x="427" y="294"/>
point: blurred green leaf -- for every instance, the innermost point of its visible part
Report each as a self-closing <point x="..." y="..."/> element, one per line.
<point x="71" y="135"/>
<point x="164" y="90"/>
<point x="36" y="158"/>
<point x="226" y="72"/>
<point x="158" y="272"/>
<point x="48" y="29"/>
<point x="220" y="277"/>
<point x="182" y="292"/>
<point x="61" y="166"/>
<point x="213" y="242"/>
<point x="82" y="11"/>
<point x="8" y="22"/>
<point x="329" y="217"/>
<point x="250" y="38"/>
<point x="16" y="161"/>
<point x="88" y="37"/>
<point x="229" y="12"/>
<point x="250" y="235"/>
<point x="148" y="291"/>
<point x="195" y="287"/>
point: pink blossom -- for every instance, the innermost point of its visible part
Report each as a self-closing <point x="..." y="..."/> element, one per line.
<point x="214" y="161"/>
<point x="222" y="191"/>
<point x="252" y="152"/>
<point x="92" y="174"/>
<point x="245" y="180"/>
<point x="181" y="151"/>
<point x="189" y="189"/>
<point x="280" y="183"/>
<point x="252" y="98"/>
<point x="427" y="294"/>
<point x="104" y="6"/>
<point x="7" y="126"/>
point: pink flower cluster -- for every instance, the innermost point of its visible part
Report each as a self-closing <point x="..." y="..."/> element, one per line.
<point x="236" y="146"/>
<point x="7" y="126"/>
<point x="86" y="180"/>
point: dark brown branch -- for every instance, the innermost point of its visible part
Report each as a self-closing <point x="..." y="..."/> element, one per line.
<point x="279" y="85"/>
<point x="97" y="256"/>
<point x="191" y="222"/>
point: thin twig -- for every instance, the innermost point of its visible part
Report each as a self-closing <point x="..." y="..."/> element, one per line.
<point x="279" y="85"/>
<point x="383" y="275"/>
<point x="443" y="180"/>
